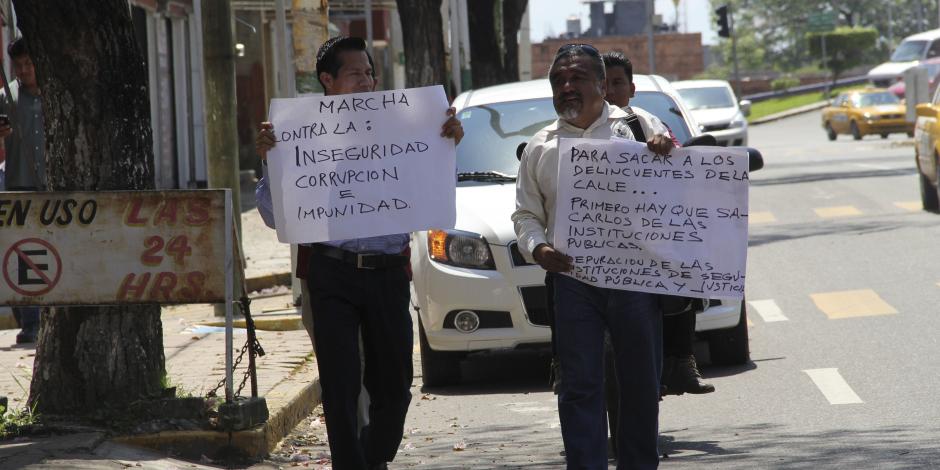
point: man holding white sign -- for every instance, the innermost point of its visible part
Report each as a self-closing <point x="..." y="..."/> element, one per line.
<point x="584" y="311"/>
<point x="358" y="274"/>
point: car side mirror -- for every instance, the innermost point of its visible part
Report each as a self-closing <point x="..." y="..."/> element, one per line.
<point x="755" y="160"/>
<point x="745" y="107"/>
<point x="926" y="110"/>
<point x="519" y="150"/>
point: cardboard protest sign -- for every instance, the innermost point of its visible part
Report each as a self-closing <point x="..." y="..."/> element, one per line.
<point x="360" y="165"/>
<point x="113" y="247"/>
<point x="633" y="220"/>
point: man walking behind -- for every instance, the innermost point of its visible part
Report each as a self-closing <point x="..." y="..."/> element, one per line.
<point x="583" y="312"/>
<point x="25" y="164"/>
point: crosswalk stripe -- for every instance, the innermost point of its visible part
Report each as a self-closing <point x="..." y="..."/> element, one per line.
<point x="761" y="217"/>
<point x="852" y="303"/>
<point x="833" y="386"/>
<point x="768" y="310"/>
<point x="913" y="206"/>
<point x="838" y="211"/>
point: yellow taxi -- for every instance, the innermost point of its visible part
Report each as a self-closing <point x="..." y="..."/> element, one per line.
<point x="927" y="151"/>
<point x="863" y="112"/>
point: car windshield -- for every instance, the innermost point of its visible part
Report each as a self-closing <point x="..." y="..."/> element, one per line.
<point x="908" y="51"/>
<point x="495" y="130"/>
<point x="874" y="99"/>
<point x="707" y="98"/>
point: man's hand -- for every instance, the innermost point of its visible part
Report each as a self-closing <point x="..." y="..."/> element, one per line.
<point x="265" y="140"/>
<point x="660" y="144"/>
<point x="551" y="259"/>
<point x="452" y="128"/>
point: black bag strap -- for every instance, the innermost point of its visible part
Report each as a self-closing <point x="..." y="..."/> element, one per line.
<point x="634" y="122"/>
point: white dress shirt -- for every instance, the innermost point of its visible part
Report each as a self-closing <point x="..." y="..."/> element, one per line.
<point x="537" y="182"/>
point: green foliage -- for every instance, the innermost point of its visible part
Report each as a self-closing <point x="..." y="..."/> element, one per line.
<point x="14" y="423"/>
<point x="780" y="26"/>
<point x="777" y="105"/>
<point x="784" y="83"/>
<point x="845" y="47"/>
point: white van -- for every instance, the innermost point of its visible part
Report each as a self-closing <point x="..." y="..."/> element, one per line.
<point x="912" y="51"/>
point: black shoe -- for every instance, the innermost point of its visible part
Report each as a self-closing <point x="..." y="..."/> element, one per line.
<point x="24" y="337"/>
<point x="379" y="466"/>
<point x="683" y="377"/>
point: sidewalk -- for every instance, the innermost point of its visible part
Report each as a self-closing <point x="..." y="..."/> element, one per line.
<point x="195" y="363"/>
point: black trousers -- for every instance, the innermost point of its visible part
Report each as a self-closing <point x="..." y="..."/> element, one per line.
<point x="678" y="334"/>
<point x="344" y="299"/>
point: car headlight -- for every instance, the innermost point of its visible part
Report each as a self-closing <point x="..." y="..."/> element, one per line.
<point x="867" y="115"/>
<point x="738" y="121"/>
<point x="461" y="249"/>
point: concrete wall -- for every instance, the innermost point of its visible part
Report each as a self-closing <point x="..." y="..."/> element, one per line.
<point x="678" y="56"/>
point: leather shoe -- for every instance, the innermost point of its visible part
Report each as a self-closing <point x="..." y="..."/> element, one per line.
<point x="681" y="375"/>
<point x="24" y="337"/>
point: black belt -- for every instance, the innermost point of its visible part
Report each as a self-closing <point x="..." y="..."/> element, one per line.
<point x="360" y="260"/>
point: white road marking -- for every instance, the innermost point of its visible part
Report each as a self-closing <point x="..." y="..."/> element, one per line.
<point x="833" y="386"/>
<point x="875" y="167"/>
<point x="768" y="310"/>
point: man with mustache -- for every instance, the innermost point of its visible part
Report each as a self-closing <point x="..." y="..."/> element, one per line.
<point x="358" y="285"/>
<point x="583" y="312"/>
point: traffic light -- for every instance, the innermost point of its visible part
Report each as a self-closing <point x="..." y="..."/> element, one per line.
<point x="724" y="27"/>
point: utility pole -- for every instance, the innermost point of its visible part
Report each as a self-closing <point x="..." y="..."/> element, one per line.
<point x="221" y="125"/>
<point x="650" y="38"/>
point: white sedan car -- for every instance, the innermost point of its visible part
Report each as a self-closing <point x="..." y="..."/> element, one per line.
<point x="716" y="109"/>
<point x="473" y="291"/>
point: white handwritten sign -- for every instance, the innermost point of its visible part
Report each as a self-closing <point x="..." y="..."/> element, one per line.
<point x="633" y="220"/>
<point x="360" y="165"/>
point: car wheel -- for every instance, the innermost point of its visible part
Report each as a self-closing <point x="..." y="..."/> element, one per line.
<point x="928" y="195"/>
<point x="730" y="346"/>
<point x="438" y="368"/>
<point x="856" y="134"/>
<point x="830" y="132"/>
<point x="884" y="136"/>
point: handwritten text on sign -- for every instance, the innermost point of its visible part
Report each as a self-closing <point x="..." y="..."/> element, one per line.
<point x="112" y="247"/>
<point x="359" y="165"/>
<point x="673" y="224"/>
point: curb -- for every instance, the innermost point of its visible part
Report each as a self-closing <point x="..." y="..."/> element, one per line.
<point x="278" y="323"/>
<point x="790" y="112"/>
<point x="289" y="403"/>
<point x="258" y="283"/>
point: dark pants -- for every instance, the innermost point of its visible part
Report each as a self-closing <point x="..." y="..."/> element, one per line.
<point x="582" y="313"/>
<point x="344" y="301"/>
<point x="678" y="334"/>
<point x="28" y="320"/>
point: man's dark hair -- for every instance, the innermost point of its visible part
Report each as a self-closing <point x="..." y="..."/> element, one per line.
<point x="18" y="48"/>
<point x="328" y="56"/>
<point x="570" y="51"/>
<point x="617" y="59"/>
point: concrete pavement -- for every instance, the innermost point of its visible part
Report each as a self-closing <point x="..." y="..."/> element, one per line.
<point x="195" y="361"/>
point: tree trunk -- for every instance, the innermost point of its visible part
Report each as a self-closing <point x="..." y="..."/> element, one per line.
<point x="98" y="137"/>
<point x="423" y="34"/>
<point x="494" y="43"/>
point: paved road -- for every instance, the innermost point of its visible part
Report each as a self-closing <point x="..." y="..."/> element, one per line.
<point x="843" y="289"/>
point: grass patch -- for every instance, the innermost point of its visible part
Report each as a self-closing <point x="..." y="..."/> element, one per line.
<point x="777" y="105"/>
<point x="14" y="423"/>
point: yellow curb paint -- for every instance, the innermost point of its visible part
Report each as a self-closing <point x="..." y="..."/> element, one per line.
<point x="913" y="206"/>
<point x="761" y="218"/>
<point x="283" y="323"/>
<point x="852" y="303"/>
<point x="836" y="212"/>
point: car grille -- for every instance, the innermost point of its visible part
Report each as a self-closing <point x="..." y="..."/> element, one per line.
<point x="715" y="127"/>
<point x="536" y="308"/>
<point x="516" y="256"/>
<point x="891" y="116"/>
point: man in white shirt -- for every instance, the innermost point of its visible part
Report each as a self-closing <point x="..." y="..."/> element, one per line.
<point x="584" y="312"/>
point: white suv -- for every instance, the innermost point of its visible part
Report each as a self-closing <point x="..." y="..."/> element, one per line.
<point x="473" y="291"/>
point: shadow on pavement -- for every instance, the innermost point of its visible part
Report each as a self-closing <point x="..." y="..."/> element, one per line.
<point x="501" y="372"/>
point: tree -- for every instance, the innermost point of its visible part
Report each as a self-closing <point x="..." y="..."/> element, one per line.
<point x="423" y="42"/>
<point x="98" y="137"/>
<point x="845" y="48"/>
<point x="494" y="43"/>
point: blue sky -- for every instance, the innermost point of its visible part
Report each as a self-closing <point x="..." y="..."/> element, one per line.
<point x="548" y="16"/>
